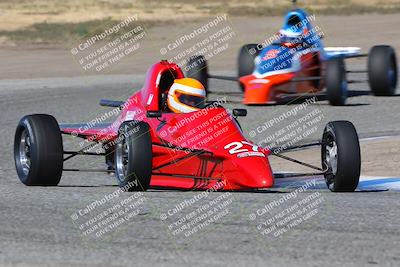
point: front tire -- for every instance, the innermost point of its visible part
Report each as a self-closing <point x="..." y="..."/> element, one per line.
<point x="133" y="156"/>
<point x="38" y="150"/>
<point x="336" y="83"/>
<point x="341" y="157"/>
<point x="382" y="70"/>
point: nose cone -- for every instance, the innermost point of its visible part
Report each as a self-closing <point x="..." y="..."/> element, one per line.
<point x="260" y="91"/>
<point x="256" y="91"/>
<point x="257" y="94"/>
<point x="248" y="173"/>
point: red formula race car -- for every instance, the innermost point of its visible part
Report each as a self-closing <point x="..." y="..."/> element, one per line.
<point x="147" y="146"/>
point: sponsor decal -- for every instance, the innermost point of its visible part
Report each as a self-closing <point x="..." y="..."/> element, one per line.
<point x="150" y="99"/>
<point x="250" y="154"/>
<point x="271" y="54"/>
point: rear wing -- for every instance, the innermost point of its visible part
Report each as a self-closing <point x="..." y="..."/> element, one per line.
<point x="111" y="103"/>
<point x="333" y="52"/>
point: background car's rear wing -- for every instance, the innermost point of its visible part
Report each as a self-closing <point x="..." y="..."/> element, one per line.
<point x="332" y="52"/>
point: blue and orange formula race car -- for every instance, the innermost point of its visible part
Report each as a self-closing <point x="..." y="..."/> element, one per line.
<point x="294" y="63"/>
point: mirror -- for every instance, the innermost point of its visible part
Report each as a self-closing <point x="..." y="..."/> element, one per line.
<point x="153" y="114"/>
<point x="240" y="112"/>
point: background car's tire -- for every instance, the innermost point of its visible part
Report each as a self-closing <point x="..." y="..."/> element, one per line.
<point x="197" y="68"/>
<point x="382" y="70"/>
<point x="133" y="156"/>
<point x="336" y="83"/>
<point x="340" y="152"/>
<point x="38" y="150"/>
<point x="246" y="57"/>
<point x="246" y="65"/>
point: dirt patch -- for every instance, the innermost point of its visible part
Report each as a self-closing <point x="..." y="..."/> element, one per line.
<point x="54" y="21"/>
<point x="49" y="60"/>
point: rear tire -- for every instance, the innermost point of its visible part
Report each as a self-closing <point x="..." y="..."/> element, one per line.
<point x="133" y="156"/>
<point x="336" y="83"/>
<point x="38" y="150"/>
<point x="197" y="68"/>
<point x="382" y="70"/>
<point x="246" y="64"/>
<point x="341" y="157"/>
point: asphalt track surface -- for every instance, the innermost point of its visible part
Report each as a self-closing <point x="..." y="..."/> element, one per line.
<point x="38" y="227"/>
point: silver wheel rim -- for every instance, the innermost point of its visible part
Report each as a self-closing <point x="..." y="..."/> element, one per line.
<point x="24" y="152"/>
<point x="121" y="161"/>
<point x="331" y="157"/>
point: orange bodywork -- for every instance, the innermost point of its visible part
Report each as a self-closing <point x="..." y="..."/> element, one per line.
<point x="271" y="89"/>
<point x="259" y="91"/>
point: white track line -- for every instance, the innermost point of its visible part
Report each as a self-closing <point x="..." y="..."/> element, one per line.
<point x="366" y="182"/>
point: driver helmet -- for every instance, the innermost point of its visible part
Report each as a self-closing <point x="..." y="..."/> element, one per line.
<point x="186" y="95"/>
<point x="293" y="30"/>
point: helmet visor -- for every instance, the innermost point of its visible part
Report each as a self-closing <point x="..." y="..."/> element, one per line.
<point x="191" y="100"/>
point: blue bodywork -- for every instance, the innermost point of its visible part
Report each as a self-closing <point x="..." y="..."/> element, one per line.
<point x="298" y="29"/>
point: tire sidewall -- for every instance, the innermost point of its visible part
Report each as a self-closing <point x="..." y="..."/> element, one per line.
<point x="46" y="150"/>
<point x="25" y="124"/>
<point x="139" y="166"/>
<point x="348" y="156"/>
<point x="328" y="133"/>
